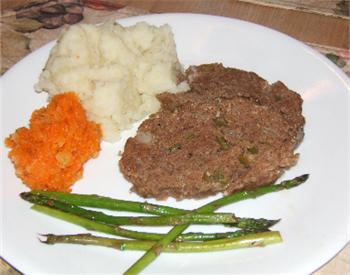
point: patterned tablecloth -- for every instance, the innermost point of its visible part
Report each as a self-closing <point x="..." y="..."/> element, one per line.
<point x="29" y="24"/>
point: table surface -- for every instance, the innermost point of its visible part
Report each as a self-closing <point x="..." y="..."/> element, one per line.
<point x="325" y="25"/>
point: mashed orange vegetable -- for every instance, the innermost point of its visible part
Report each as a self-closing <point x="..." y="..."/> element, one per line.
<point x="50" y="154"/>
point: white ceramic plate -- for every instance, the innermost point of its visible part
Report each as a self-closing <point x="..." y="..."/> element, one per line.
<point x="314" y="216"/>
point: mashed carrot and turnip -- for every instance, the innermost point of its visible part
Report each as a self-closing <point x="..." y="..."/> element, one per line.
<point x="51" y="152"/>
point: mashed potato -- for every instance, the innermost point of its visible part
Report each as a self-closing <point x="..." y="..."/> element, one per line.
<point x="115" y="71"/>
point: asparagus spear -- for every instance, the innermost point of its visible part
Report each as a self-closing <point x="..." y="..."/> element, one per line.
<point x="157" y="248"/>
<point x="250" y="240"/>
<point x="190" y="218"/>
<point x="97" y="201"/>
<point x="122" y="232"/>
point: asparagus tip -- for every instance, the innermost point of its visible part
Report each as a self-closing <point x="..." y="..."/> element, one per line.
<point x="303" y="178"/>
<point x="24" y="195"/>
<point x="295" y="182"/>
<point x="273" y="222"/>
<point x="265" y="223"/>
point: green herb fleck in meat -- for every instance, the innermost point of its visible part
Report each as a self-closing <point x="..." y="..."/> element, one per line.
<point x="218" y="175"/>
<point x="206" y="177"/>
<point x="220" y="121"/>
<point x="278" y="97"/>
<point x="253" y="150"/>
<point x="173" y="148"/>
<point x="243" y="159"/>
<point x="191" y="135"/>
<point x="223" y="143"/>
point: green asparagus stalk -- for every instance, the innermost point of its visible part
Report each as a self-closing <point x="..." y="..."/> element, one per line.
<point x="97" y="201"/>
<point x="190" y="218"/>
<point x="157" y="248"/>
<point x="122" y="232"/>
<point x="250" y="240"/>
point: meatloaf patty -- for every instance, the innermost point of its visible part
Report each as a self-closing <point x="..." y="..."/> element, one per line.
<point x="232" y="131"/>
